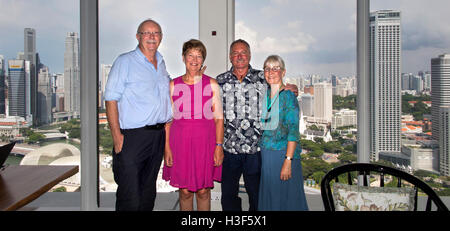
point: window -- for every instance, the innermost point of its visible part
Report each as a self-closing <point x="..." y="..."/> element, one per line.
<point x="117" y="35"/>
<point x="40" y="84"/>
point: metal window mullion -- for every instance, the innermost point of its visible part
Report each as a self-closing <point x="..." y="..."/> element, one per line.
<point x="89" y="104"/>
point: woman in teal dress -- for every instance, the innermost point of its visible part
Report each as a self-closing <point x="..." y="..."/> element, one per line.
<point x="281" y="185"/>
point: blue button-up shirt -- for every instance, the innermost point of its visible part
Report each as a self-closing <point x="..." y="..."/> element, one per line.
<point x="141" y="91"/>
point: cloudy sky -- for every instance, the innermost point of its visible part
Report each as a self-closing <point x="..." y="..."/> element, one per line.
<point x="313" y="36"/>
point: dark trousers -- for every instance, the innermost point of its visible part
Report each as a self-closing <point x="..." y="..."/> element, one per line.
<point x="136" y="168"/>
<point x="235" y="165"/>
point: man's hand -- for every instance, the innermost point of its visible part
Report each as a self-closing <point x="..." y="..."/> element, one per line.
<point x="292" y="87"/>
<point x="118" y="143"/>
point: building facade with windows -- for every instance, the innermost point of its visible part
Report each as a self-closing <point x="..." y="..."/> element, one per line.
<point x="440" y="88"/>
<point x="385" y="82"/>
<point x="72" y="75"/>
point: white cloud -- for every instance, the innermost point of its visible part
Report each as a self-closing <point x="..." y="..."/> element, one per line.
<point x="294" y="24"/>
<point x="270" y="12"/>
<point x="299" y="42"/>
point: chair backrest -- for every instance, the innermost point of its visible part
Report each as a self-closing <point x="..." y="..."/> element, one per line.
<point x="364" y="171"/>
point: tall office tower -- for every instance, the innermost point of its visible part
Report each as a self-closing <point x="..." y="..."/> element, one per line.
<point x="334" y="81"/>
<point x="307" y="104"/>
<point x="417" y="84"/>
<point x="105" y="69"/>
<point x="44" y="106"/>
<point x="440" y="90"/>
<point x="29" y="49"/>
<point x="405" y="81"/>
<point x="334" y="84"/>
<point x="2" y="85"/>
<point x="323" y="101"/>
<point x="385" y="83"/>
<point x="19" y="88"/>
<point x="444" y="140"/>
<point x="426" y="81"/>
<point x="58" y="85"/>
<point x="72" y="75"/>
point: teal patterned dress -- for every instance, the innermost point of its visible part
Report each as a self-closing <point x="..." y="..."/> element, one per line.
<point x="280" y="118"/>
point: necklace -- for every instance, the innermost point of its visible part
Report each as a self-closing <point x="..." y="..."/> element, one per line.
<point x="269" y="106"/>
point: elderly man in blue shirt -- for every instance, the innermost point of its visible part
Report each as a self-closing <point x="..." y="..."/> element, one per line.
<point x="138" y="106"/>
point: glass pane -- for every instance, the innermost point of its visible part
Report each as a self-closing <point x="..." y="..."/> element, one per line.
<point x="40" y="84"/>
<point x="317" y="41"/>
<point x="408" y="71"/>
<point x="117" y="31"/>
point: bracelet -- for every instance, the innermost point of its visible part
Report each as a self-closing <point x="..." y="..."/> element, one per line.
<point x="288" y="158"/>
<point x="217" y="144"/>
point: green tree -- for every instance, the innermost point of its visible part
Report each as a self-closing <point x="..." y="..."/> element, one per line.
<point x="317" y="176"/>
<point x="35" y="137"/>
<point x="347" y="158"/>
<point x="310" y="166"/>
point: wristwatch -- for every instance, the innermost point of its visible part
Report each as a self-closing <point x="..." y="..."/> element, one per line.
<point x="288" y="158"/>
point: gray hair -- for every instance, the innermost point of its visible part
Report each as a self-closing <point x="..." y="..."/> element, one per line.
<point x="148" y="20"/>
<point x="275" y="59"/>
<point x="240" y="41"/>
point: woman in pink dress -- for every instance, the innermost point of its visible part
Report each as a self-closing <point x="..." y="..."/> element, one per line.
<point x="194" y="154"/>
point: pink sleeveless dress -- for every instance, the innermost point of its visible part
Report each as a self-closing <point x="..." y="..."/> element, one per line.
<point x="192" y="137"/>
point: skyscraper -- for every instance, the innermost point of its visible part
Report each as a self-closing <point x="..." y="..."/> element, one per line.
<point x="105" y="69"/>
<point x="307" y="104"/>
<point x="323" y="101"/>
<point x="30" y="55"/>
<point x="72" y="75"/>
<point x="44" y="96"/>
<point x="2" y="85"/>
<point x="440" y="90"/>
<point x="385" y="82"/>
<point x="444" y="140"/>
<point x="19" y="88"/>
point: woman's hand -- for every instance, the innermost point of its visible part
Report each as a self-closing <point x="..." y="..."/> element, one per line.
<point x="286" y="170"/>
<point x="218" y="156"/>
<point x="168" y="158"/>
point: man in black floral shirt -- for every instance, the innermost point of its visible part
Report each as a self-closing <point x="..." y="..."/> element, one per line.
<point x="242" y="90"/>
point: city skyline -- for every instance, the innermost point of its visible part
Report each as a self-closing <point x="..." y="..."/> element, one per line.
<point x="326" y="46"/>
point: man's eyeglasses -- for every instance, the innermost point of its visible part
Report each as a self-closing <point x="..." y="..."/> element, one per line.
<point x="274" y="69"/>
<point x="148" y="34"/>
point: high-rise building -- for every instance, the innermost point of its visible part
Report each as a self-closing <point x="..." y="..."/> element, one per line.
<point x="72" y="75"/>
<point x="323" y="101"/>
<point x="307" y="104"/>
<point x="105" y="69"/>
<point x="405" y="81"/>
<point x="44" y="106"/>
<point x="440" y="90"/>
<point x="58" y="86"/>
<point x="2" y="85"/>
<point x="417" y="84"/>
<point x="30" y="54"/>
<point x="444" y="140"/>
<point x="426" y="81"/>
<point x="385" y="82"/>
<point x="19" y="88"/>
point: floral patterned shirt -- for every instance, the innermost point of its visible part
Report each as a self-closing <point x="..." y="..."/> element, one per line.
<point x="281" y="122"/>
<point x="242" y="103"/>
